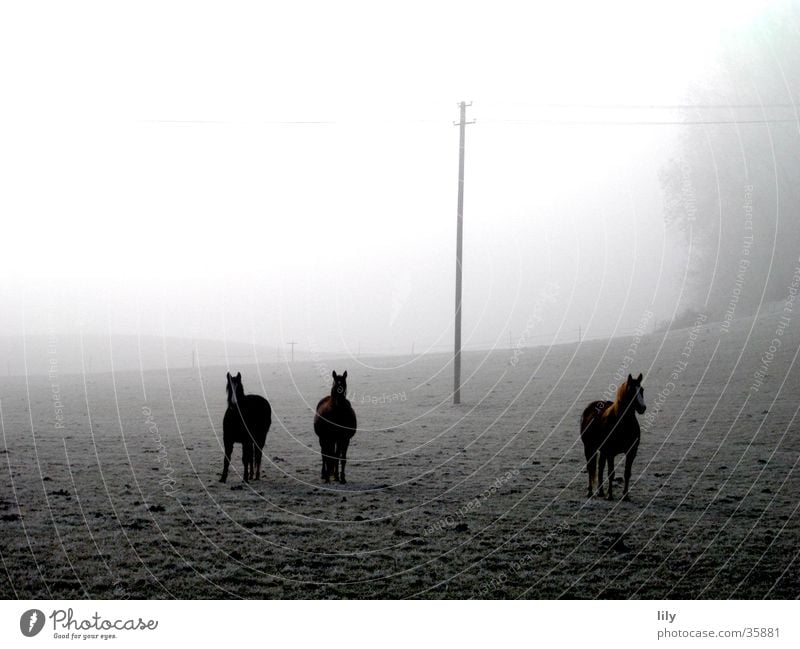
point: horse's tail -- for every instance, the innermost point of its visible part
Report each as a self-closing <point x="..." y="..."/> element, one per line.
<point x="588" y="418"/>
<point x="259" y="417"/>
<point x="591" y="430"/>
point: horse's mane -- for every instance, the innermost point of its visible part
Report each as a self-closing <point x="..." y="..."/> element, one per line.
<point x="621" y="390"/>
<point x="618" y="408"/>
<point x="615" y="409"/>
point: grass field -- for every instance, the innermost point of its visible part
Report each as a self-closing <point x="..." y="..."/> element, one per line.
<point x="109" y="483"/>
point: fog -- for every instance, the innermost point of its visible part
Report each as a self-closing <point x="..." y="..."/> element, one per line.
<point x="264" y="175"/>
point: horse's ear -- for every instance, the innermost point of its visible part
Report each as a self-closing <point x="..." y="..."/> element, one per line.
<point x="344" y="376"/>
<point x="333" y="374"/>
<point x="239" y="375"/>
<point x="229" y="376"/>
<point x="630" y="379"/>
<point x="639" y="380"/>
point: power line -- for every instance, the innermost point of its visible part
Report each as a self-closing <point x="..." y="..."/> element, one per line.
<point x="659" y="106"/>
<point x="543" y="121"/>
<point x="299" y="122"/>
<point x="579" y="122"/>
<point x="542" y="105"/>
<point x="223" y="121"/>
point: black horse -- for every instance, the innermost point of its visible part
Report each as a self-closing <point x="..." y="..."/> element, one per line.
<point x="246" y="422"/>
<point x="335" y="425"/>
<point x="609" y="428"/>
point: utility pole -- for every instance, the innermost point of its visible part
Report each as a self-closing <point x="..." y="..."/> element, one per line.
<point x="293" y="343"/>
<point x="462" y="123"/>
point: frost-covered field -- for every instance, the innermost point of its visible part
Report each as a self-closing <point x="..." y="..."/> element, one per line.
<point x="116" y="494"/>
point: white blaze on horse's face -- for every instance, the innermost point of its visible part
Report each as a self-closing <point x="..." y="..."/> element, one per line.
<point x="339" y="387"/>
<point x="640" y="400"/>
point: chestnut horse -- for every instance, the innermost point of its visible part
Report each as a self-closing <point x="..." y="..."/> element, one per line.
<point x="246" y="422"/>
<point x="335" y="425"/>
<point x="609" y="428"/>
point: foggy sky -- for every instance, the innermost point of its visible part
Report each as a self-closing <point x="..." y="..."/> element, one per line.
<point x="275" y="174"/>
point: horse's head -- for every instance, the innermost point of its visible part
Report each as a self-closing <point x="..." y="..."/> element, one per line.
<point x="339" y="387"/>
<point x="633" y="394"/>
<point x="235" y="389"/>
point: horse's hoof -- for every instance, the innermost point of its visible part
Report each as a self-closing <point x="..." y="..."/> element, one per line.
<point x="601" y="493"/>
<point x="342" y="480"/>
<point x="223" y="479"/>
<point x="609" y="497"/>
<point x="626" y="498"/>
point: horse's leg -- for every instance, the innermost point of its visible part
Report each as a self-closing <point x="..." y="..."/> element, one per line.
<point x="343" y="444"/>
<point x="591" y="469"/>
<point x="251" y="449"/>
<point x="630" y="456"/>
<point x="601" y="460"/>
<point x="227" y="462"/>
<point x="257" y="451"/>
<point x="327" y="451"/>
<point x="335" y="459"/>
<point x="333" y="465"/>
<point x="247" y="459"/>
<point x="610" y="460"/>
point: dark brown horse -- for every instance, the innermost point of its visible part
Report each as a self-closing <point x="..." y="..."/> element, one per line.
<point x="335" y="425"/>
<point x="608" y="429"/>
<point x="246" y="422"/>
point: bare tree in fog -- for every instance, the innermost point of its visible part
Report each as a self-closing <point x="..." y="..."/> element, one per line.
<point x="734" y="188"/>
